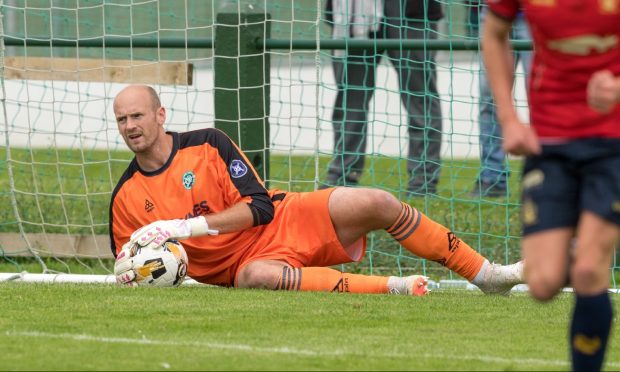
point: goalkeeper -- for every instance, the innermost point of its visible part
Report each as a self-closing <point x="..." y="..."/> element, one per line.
<point x="198" y="187"/>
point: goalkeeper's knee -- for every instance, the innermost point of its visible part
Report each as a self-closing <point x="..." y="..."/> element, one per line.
<point x="260" y="274"/>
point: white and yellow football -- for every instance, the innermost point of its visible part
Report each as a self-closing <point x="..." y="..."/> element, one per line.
<point x="163" y="266"/>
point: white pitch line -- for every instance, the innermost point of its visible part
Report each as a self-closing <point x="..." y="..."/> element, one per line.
<point x="287" y="350"/>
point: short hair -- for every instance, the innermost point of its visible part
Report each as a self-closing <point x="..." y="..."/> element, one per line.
<point x="154" y="96"/>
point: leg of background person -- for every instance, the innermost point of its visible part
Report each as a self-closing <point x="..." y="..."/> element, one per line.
<point x="473" y="12"/>
<point x="355" y="77"/>
<point x="520" y="31"/>
<point x="493" y="174"/>
<point x="418" y="86"/>
<point x="492" y="157"/>
<point x="492" y="180"/>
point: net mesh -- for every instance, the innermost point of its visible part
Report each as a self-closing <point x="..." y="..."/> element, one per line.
<point x="63" y="156"/>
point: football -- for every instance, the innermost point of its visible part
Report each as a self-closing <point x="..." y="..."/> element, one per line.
<point x="163" y="266"/>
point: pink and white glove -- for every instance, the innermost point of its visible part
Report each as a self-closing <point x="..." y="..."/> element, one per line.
<point x="123" y="266"/>
<point x="155" y="234"/>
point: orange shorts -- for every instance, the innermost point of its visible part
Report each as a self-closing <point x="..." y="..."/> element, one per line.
<point x="302" y="234"/>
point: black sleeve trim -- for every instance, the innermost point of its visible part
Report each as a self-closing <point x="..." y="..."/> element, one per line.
<point x="262" y="209"/>
<point x="255" y="215"/>
<point x="278" y="197"/>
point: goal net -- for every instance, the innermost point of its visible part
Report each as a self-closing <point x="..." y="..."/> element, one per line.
<point x="63" y="61"/>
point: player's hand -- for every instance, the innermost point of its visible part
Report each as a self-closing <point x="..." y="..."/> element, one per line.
<point x="520" y="139"/>
<point x="156" y="233"/>
<point x="603" y="91"/>
<point x="123" y="266"/>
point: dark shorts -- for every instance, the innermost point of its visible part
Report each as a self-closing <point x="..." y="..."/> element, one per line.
<point x="569" y="178"/>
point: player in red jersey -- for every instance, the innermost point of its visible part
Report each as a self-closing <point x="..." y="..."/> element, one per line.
<point x="199" y="187"/>
<point x="571" y="177"/>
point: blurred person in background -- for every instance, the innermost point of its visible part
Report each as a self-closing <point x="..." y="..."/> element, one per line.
<point x="492" y="180"/>
<point x="355" y="74"/>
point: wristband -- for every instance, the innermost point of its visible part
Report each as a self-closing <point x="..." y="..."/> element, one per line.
<point x="199" y="227"/>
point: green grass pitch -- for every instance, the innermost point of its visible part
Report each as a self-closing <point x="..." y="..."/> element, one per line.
<point x="104" y="327"/>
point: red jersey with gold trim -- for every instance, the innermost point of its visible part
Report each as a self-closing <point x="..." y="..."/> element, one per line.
<point x="572" y="40"/>
<point x="206" y="173"/>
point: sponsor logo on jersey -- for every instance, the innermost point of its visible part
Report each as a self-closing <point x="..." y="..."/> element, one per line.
<point x="238" y="169"/>
<point x="188" y="180"/>
<point x="583" y="45"/>
<point x="542" y="2"/>
<point x="609" y="6"/>
<point x="148" y="205"/>
<point x="199" y="209"/>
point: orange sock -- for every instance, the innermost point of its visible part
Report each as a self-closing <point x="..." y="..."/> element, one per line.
<point x="428" y="239"/>
<point x="330" y="280"/>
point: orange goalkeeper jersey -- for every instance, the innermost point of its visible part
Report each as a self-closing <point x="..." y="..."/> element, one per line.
<point x="206" y="173"/>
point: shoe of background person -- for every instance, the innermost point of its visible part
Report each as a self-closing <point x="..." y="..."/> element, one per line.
<point x="339" y="182"/>
<point x="421" y="190"/>
<point x="499" y="279"/>
<point x="483" y="189"/>
<point x="417" y="285"/>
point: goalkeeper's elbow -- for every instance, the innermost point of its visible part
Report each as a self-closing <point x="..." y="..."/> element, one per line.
<point x="262" y="216"/>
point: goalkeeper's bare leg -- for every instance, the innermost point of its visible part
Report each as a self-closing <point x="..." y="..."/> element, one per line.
<point x="356" y="212"/>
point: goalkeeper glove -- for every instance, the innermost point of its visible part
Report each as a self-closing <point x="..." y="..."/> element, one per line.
<point x="123" y="266"/>
<point x="156" y="233"/>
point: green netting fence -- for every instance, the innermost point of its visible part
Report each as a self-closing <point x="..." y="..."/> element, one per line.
<point x="260" y="70"/>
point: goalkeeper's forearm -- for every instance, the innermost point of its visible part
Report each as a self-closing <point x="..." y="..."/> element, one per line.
<point x="236" y="218"/>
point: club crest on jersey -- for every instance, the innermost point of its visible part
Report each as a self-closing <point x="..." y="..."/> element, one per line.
<point x="188" y="180"/>
<point x="238" y="169"/>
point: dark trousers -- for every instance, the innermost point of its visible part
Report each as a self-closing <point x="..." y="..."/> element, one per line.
<point x="355" y="76"/>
